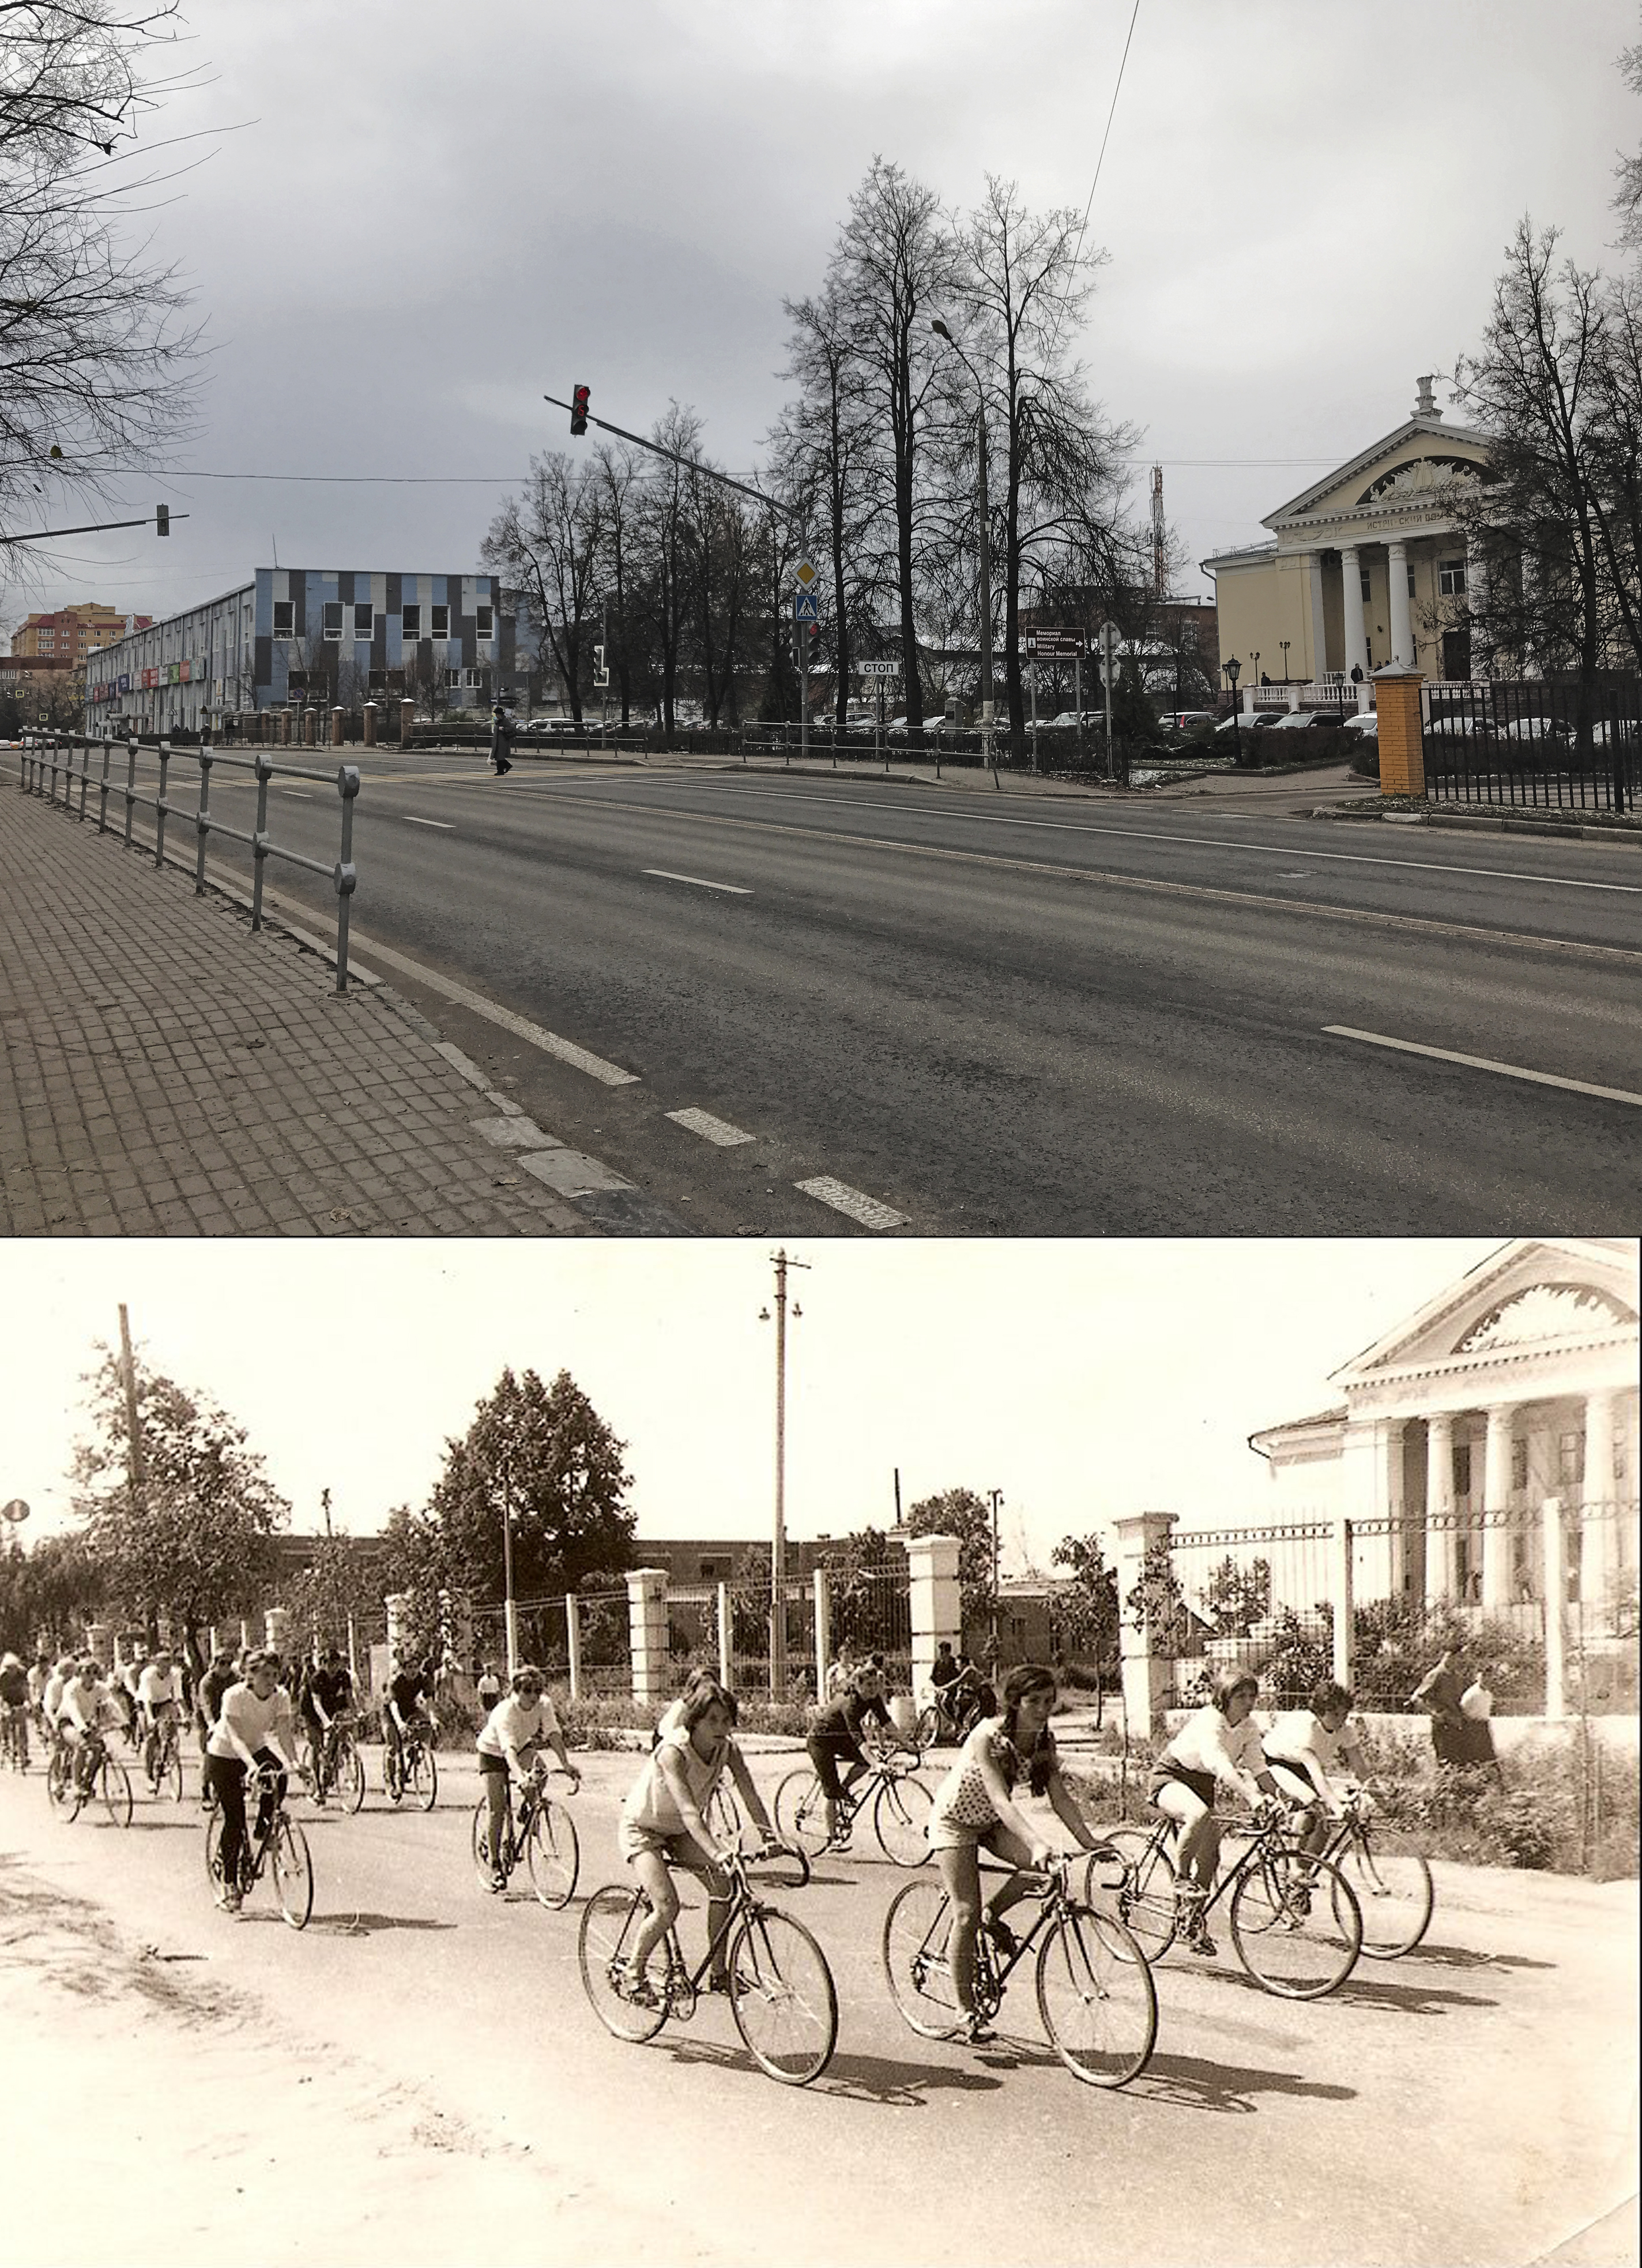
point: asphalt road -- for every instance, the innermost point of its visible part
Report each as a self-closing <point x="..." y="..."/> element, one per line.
<point x="1472" y="2102"/>
<point x="1012" y="1014"/>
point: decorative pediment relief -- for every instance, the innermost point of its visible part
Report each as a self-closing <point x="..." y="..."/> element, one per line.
<point x="1544" y="1311"/>
<point x="1426" y="476"/>
<point x="1532" y="1294"/>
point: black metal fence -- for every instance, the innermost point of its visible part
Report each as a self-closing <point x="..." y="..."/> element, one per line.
<point x="1555" y="743"/>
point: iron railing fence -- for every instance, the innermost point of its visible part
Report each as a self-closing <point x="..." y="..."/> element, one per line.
<point x="750" y="1631"/>
<point x="46" y="759"/>
<point x="1467" y="1576"/>
<point x="1551" y="743"/>
<point x="1242" y="1598"/>
<point x="872" y="1611"/>
<point x="605" y="1622"/>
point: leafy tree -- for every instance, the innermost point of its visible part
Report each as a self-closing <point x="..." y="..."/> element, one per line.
<point x="1155" y="1603"/>
<point x="545" y="1455"/>
<point x="1086" y="1612"/>
<point x="339" y="1581"/>
<point x="1237" y="1597"/>
<point x="960" y="1511"/>
<point x="190" y="1542"/>
<point x="856" y="1570"/>
<point x="47" y="1594"/>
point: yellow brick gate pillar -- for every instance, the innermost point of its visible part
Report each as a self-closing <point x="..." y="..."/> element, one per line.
<point x="1402" y="751"/>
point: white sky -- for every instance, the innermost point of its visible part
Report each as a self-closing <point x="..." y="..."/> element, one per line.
<point x="428" y="218"/>
<point x="1084" y="1379"/>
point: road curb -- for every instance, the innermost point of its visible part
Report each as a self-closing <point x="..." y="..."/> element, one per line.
<point x="1463" y="823"/>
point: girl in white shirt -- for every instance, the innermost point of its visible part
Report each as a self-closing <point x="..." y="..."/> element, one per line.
<point x="520" y="1722"/>
<point x="255" y="1729"/>
<point x="1217" y="1746"/>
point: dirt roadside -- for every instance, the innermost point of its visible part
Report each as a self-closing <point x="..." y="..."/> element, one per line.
<point x="159" y="2116"/>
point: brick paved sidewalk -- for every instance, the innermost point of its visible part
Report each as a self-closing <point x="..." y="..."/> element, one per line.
<point x="164" y="1072"/>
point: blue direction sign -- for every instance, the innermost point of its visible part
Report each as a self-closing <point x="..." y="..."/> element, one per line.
<point x="807" y="605"/>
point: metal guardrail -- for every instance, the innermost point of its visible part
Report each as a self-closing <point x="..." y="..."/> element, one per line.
<point x="45" y="758"/>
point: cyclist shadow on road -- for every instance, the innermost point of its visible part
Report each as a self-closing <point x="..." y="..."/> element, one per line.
<point x="1467" y="1956"/>
<point x="367" y="1924"/>
<point x="1407" y="1994"/>
<point x="852" y="2078"/>
<point x="1195" y="2083"/>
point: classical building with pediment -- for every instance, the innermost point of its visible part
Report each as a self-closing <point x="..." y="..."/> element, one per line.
<point x="1515" y="1387"/>
<point x="1366" y="566"/>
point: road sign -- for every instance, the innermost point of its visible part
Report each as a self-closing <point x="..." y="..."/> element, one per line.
<point x="805" y="574"/>
<point x="880" y="668"/>
<point x="16" y="1510"/>
<point x="807" y="605"/>
<point x="1054" y="645"/>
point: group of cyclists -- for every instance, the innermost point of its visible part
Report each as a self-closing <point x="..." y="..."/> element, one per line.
<point x="256" y="1715"/>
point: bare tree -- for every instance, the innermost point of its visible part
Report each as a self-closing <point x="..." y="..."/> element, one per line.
<point x="1628" y="172"/>
<point x="619" y="473"/>
<point x="665" y="532"/>
<point x="549" y="542"/>
<point x="97" y="363"/>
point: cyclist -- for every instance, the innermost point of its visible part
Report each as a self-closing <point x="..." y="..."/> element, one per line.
<point x="253" y="1729"/>
<point x="976" y="1808"/>
<point x="157" y="1699"/>
<point x="39" y="1678"/>
<point x="208" y="1702"/>
<point x="411" y="1686"/>
<point x="51" y="1702"/>
<point x="835" y="1733"/>
<point x="662" y="1826"/>
<point x="671" y="1718"/>
<point x="324" y="1700"/>
<point x="86" y="1712"/>
<point x="1218" y="1746"/>
<point x="1317" y="1761"/>
<point x="508" y="1740"/>
<point x="14" y="1702"/>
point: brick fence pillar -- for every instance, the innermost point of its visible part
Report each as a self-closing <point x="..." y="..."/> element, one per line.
<point x="1402" y="751"/>
<point x="370" y="724"/>
<point x="647" y="1628"/>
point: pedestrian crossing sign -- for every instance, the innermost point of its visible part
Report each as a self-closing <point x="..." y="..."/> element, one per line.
<point x="807" y="605"/>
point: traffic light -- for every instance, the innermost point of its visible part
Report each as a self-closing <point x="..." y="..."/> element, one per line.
<point x="578" y="409"/>
<point x="162" y="520"/>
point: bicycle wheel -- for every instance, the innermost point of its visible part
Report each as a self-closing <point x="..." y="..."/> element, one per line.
<point x="293" y="1871"/>
<point x="1295" y="1924"/>
<point x="901" y="1814"/>
<point x="168" y="1778"/>
<point x="787" y="1867"/>
<point x="349" y="1776"/>
<point x="914" y="1960"/>
<point x="553" y="1853"/>
<point x="1144" y="1899"/>
<point x="1096" y="1998"/>
<point x="610" y="1923"/>
<point x="392" y="1775"/>
<point x="113" y="1785"/>
<point x="58" y="1790"/>
<point x="925" y="1729"/>
<point x="1391" y="1883"/>
<point x="422" y="1781"/>
<point x="801" y="1812"/>
<point x="723" y="1815"/>
<point x="213" y="1849"/>
<point x="781" y="1997"/>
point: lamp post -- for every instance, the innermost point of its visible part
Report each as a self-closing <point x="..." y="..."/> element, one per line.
<point x="1233" y="670"/>
<point x="986" y="548"/>
<point x="778" y="1542"/>
<point x="1283" y="643"/>
<point x="997" y="1498"/>
<point x="509" y="1607"/>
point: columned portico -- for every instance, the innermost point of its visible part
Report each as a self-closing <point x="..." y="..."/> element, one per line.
<point x="1496" y="1497"/>
<point x="1402" y="621"/>
<point x="1318" y="629"/>
<point x="1352" y="601"/>
<point x="1598" y="1562"/>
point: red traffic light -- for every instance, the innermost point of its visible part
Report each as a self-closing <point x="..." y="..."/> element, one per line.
<point x="578" y="409"/>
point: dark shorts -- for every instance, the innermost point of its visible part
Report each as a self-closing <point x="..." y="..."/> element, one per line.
<point x="1200" y="1783"/>
<point x="827" y="1751"/>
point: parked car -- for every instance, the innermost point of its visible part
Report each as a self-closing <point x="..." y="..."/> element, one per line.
<point x="1532" y="728"/>
<point x="1365" y="724"/>
<point x="1185" y="720"/>
<point x="1261" y="721"/>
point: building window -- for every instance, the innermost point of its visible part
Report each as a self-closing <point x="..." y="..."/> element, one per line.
<point x="1570" y="1459"/>
<point x="284" y="618"/>
<point x="1411" y="578"/>
<point x="1462" y="1468"/>
<point x="410" y="628"/>
<point x="362" y="623"/>
<point x="1519" y="1464"/>
<point x="333" y="619"/>
<point x="439" y="623"/>
<point x="484" y="623"/>
<point x="1451" y="578"/>
<point x="1366" y="593"/>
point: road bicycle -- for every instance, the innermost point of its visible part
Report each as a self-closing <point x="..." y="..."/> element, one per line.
<point x="933" y="1727"/>
<point x="333" y="1766"/>
<point x="71" y="1782"/>
<point x="543" y="1835"/>
<point x="408" y="1769"/>
<point x="162" y="1761"/>
<point x="1389" y="1880"/>
<point x="281" y="1851"/>
<point x="14" y="1735"/>
<point x="1294" y="1921"/>
<point x="1096" y="2001"/>
<point x="901" y="1800"/>
<point x="779" y="1986"/>
<point x="785" y="1864"/>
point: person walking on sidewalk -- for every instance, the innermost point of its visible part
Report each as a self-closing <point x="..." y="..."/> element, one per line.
<point x="500" y="728"/>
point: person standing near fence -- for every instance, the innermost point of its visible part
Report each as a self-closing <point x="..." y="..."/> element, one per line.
<point x="1438" y="1694"/>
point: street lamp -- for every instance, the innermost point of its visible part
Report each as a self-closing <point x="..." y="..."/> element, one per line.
<point x="778" y="1550"/>
<point x="1233" y="670"/>
<point x="997" y="1497"/>
<point x="1283" y="643"/>
<point x="509" y="1605"/>
<point x="986" y="547"/>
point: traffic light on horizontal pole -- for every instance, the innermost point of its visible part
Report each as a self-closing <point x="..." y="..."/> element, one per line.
<point x="162" y="520"/>
<point x="578" y="408"/>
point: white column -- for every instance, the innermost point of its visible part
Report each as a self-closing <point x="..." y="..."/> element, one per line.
<point x="1555" y="1611"/>
<point x="935" y="1601"/>
<point x="1497" y="1497"/>
<point x="725" y="1626"/>
<point x="276" y="1627"/>
<point x="647" y="1630"/>
<point x="1340" y="1596"/>
<point x="573" y="1642"/>
<point x="1599" y="1528"/>
<point x="1146" y="1673"/>
<point x="1402" y="620"/>
<point x="1439" y="1536"/>
<point x="1351" y="599"/>
<point x="398" y="1606"/>
<point x="823" y="1611"/>
<point x="1319" y="640"/>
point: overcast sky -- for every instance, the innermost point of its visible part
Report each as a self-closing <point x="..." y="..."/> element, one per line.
<point x="411" y="221"/>
<point x="1084" y="1379"/>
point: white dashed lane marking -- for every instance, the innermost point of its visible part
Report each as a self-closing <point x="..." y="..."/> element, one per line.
<point x="411" y="819"/>
<point x="696" y="882"/>
<point x="711" y="1129"/>
<point x="1485" y="1063"/>
<point x="868" y="1210"/>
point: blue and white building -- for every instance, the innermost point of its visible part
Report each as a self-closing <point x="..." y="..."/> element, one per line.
<point x="301" y="635"/>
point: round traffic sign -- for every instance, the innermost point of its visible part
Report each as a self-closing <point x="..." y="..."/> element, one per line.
<point x="14" y="1511"/>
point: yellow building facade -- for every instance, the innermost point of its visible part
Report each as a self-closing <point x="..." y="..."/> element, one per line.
<point x="1366" y="566"/>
